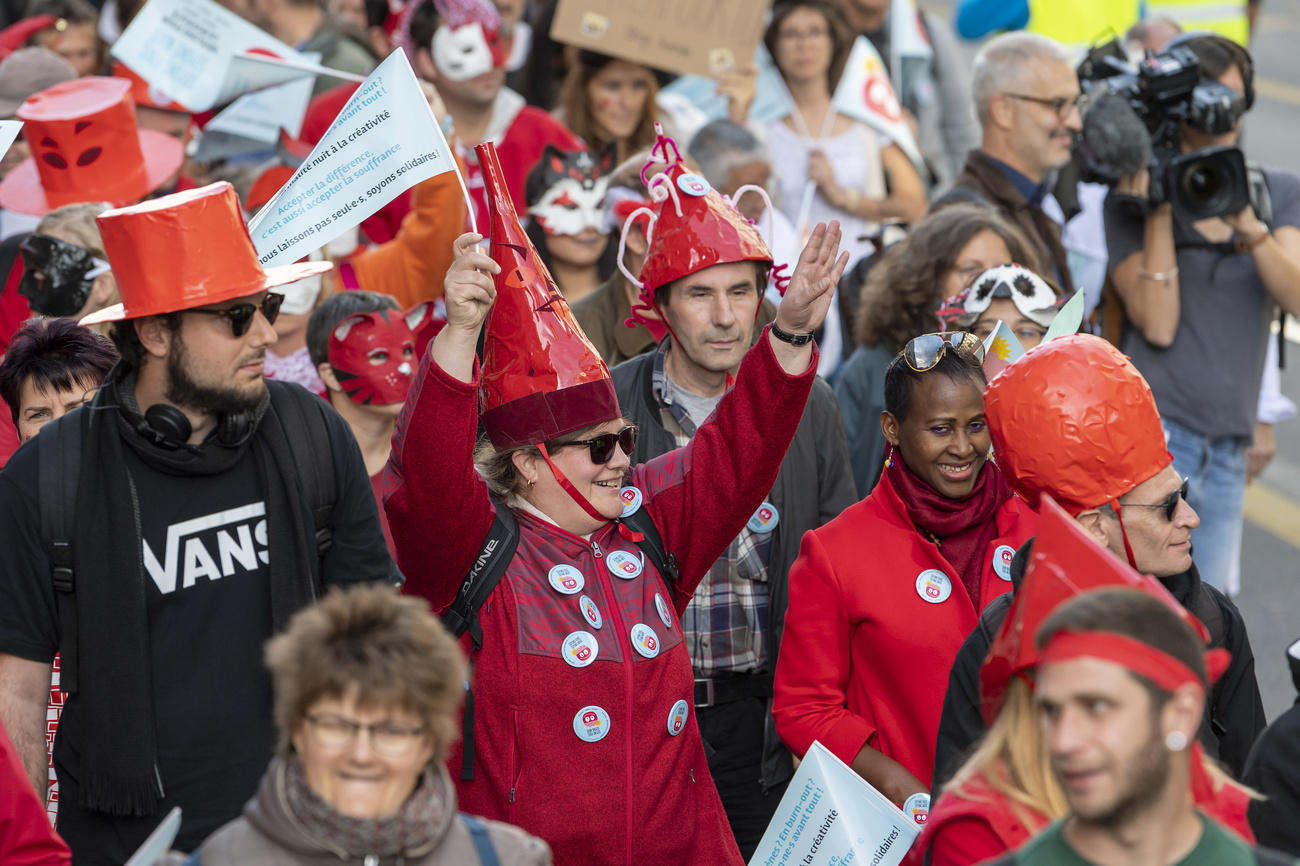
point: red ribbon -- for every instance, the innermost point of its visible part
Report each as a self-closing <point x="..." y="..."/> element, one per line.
<point x="569" y="488"/>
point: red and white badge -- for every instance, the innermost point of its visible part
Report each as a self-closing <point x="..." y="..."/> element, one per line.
<point x="665" y="612"/>
<point x="644" y="640"/>
<point x="933" y="586"/>
<point x="580" y="648"/>
<point x="590" y="612"/>
<point x="693" y="184"/>
<point x="764" y="519"/>
<point x="623" y="564"/>
<point x="1002" y="561"/>
<point x="591" y="724"/>
<point x="677" y="718"/>
<point x="566" y="579"/>
<point x="917" y="807"/>
<point x="631" y="500"/>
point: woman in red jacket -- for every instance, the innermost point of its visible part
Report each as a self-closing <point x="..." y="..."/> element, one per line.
<point x="882" y="596"/>
<point x="583" y="730"/>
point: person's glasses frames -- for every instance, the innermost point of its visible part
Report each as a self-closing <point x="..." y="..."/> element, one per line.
<point x="389" y="739"/>
<point x="1062" y="105"/>
<point x="924" y="352"/>
<point x="1169" y="503"/>
<point x="240" y="316"/>
<point x="602" y="446"/>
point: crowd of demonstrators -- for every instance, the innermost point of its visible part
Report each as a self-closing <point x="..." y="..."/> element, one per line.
<point x="596" y="442"/>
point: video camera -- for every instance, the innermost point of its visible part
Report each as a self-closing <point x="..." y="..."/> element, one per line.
<point x="1131" y="121"/>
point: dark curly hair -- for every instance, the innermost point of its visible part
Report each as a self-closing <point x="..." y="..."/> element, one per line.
<point x="904" y="290"/>
<point x="55" y="354"/>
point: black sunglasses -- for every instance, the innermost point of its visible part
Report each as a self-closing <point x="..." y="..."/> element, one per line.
<point x="240" y="316"/>
<point x="602" y="446"/>
<point x="924" y="352"/>
<point x="1169" y="503"/>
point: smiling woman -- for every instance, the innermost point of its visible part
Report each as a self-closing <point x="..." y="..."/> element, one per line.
<point x="943" y="523"/>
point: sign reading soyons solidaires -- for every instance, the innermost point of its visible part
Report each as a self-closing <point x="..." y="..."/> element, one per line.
<point x="383" y="142"/>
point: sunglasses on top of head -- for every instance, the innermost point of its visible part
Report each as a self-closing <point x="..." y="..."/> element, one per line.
<point x="602" y="446"/>
<point x="240" y="316"/>
<point x="1169" y="503"/>
<point x="924" y="352"/>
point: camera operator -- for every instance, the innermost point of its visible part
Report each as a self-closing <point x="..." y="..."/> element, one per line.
<point x="1198" y="299"/>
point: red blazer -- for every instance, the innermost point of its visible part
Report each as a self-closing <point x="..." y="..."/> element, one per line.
<point x="639" y="791"/>
<point x="25" y="833"/>
<point x="872" y="630"/>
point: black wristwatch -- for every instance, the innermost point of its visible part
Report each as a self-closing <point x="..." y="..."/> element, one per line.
<point x="792" y="339"/>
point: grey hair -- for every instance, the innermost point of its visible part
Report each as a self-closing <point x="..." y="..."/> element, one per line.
<point x="720" y="145"/>
<point x="1001" y="65"/>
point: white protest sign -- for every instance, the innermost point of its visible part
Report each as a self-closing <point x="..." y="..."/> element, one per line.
<point x="183" y="48"/>
<point x="830" y="816"/>
<point x="260" y="115"/>
<point x="864" y="93"/>
<point x="250" y="71"/>
<point x="9" y="130"/>
<point x="383" y="142"/>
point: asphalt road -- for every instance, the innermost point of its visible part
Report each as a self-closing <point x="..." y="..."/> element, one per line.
<point x="1270" y="593"/>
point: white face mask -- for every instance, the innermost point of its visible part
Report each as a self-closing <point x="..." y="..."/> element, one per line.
<point x="463" y="53"/>
<point x="300" y="296"/>
<point x="343" y="244"/>
<point x="568" y="209"/>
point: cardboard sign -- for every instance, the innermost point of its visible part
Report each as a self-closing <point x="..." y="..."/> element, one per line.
<point x="183" y="48"/>
<point x="830" y="815"/>
<point x="383" y="142"/>
<point x="684" y="36"/>
<point x="865" y="93"/>
<point x="9" y="130"/>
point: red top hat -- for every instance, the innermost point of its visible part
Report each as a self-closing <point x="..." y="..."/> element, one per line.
<point x="542" y="378"/>
<point x="185" y="250"/>
<point x="1074" y="418"/>
<point x="85" y="147"/>
<point x="1066" y="562"/>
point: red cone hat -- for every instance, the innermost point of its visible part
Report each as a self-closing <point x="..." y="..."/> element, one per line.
<point x="1066" y="562"/>
<point x="1075" y="419"/>
<point x="542" y="378"/>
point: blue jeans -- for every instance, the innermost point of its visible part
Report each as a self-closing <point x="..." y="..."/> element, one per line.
<point x="1216" y="469"/>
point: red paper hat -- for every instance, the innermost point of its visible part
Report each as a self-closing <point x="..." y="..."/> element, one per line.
<point x="15" y="36"/>
<point x="185" y="250"/>
<point x="542" y="378"/>
<point x="1075" y="419"/>
<point x="268" y="183"/>
<point x="1066" y="562"/>
<point x="85" y="147"/>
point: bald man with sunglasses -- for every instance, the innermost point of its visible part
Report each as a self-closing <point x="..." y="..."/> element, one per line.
<point x="1076" y="420"/>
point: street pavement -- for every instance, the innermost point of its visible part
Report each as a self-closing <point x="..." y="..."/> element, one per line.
<point x="1270" y="590"/>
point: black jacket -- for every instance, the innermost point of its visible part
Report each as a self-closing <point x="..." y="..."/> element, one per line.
<point x="1234" y="718"/>
<point x="814" y="485"/>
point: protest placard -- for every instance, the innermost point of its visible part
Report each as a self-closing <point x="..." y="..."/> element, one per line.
<point x="865" y="93"/>
<point x="183" y="48"/>
<point x="9" y="130"/>
<point x="260" y="115"/>
<point x="383" y="142"/>
<point x="684" y="36"/>
<point x="830" y="816"/>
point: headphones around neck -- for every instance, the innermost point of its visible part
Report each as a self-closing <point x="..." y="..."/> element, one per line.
<point x="168" y="427"/>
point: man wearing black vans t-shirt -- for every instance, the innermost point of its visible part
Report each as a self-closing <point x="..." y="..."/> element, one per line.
<point x="202" y="512"/>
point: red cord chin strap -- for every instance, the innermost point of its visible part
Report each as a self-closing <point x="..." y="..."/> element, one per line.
<point x="569" y="488"/>
<point x="1128" y="548"/>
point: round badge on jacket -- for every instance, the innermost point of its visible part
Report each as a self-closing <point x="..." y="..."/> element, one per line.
<point x="623" y="564"/>
<point x="566" y="578"/>
<point x="591" y="724"/>
<point x="1002" y="557"/>
<point x="631" y="501"/>
<point x="665" y="612"/>
<point x="677" y="718"/>
<point x="590" y="612"/>
<point x="580" y="648"/>
<point x="933" y="586"/>
<point x="764" y="519"/>
<point x="917" y="807"/>
<point x="644" y="640"/>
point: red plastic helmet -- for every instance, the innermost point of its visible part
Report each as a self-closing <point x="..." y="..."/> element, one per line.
<point x="1075" y="419"/>
<point x="542" y="378"/>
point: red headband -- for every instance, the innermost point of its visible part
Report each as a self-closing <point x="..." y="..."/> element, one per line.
<point x="1160" y="668"/>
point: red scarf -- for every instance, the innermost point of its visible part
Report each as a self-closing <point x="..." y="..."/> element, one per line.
<point x="963" y="528"/>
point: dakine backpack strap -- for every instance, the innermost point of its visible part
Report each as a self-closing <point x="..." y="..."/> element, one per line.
<point x="303" y="423"/>
<point x="652" y="545"/>
<point x="486" y="572"/>
<point x="58" y="456"/>
<point x="478" y="834"/>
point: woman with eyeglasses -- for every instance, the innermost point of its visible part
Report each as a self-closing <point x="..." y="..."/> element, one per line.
<point x="367" y="684"/>
<point x="940" y="257"/>
<point x="1008" y="293"/>
<point x="882" y="597"/>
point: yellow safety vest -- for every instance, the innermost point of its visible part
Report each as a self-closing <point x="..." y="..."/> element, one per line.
<point x="1080" y="23"/>
<point x="1225" y="17"/>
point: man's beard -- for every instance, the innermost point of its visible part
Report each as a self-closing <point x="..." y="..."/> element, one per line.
<point x="1145" y="779"/>
<point x="186" y="392"/>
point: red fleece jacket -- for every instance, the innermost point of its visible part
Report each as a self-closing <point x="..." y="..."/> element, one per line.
<point x="638" y="790"/>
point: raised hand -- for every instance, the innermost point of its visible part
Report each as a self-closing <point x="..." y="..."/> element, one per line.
<point x="468" y="289"/>
<point x="813" y="283"/>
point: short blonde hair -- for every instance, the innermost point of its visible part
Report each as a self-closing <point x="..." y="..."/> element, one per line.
<point x="387" y="647"/>
<point x="77" y="222"/>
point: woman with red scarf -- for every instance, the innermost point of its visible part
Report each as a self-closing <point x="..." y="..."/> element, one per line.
<point x="882" y="596"/>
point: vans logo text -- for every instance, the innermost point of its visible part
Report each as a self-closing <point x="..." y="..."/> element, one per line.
<point x="240" y="538"/>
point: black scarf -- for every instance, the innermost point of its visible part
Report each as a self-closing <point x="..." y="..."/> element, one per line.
<point x="118" y="752"/>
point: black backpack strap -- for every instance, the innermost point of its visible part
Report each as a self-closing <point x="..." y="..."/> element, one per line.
<point x="652" y="545"/>
<point x="58" y="454"/>
<point x="478" y="833"/>
<point x="309" y="440"/>
<point x="486" y="572"/>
